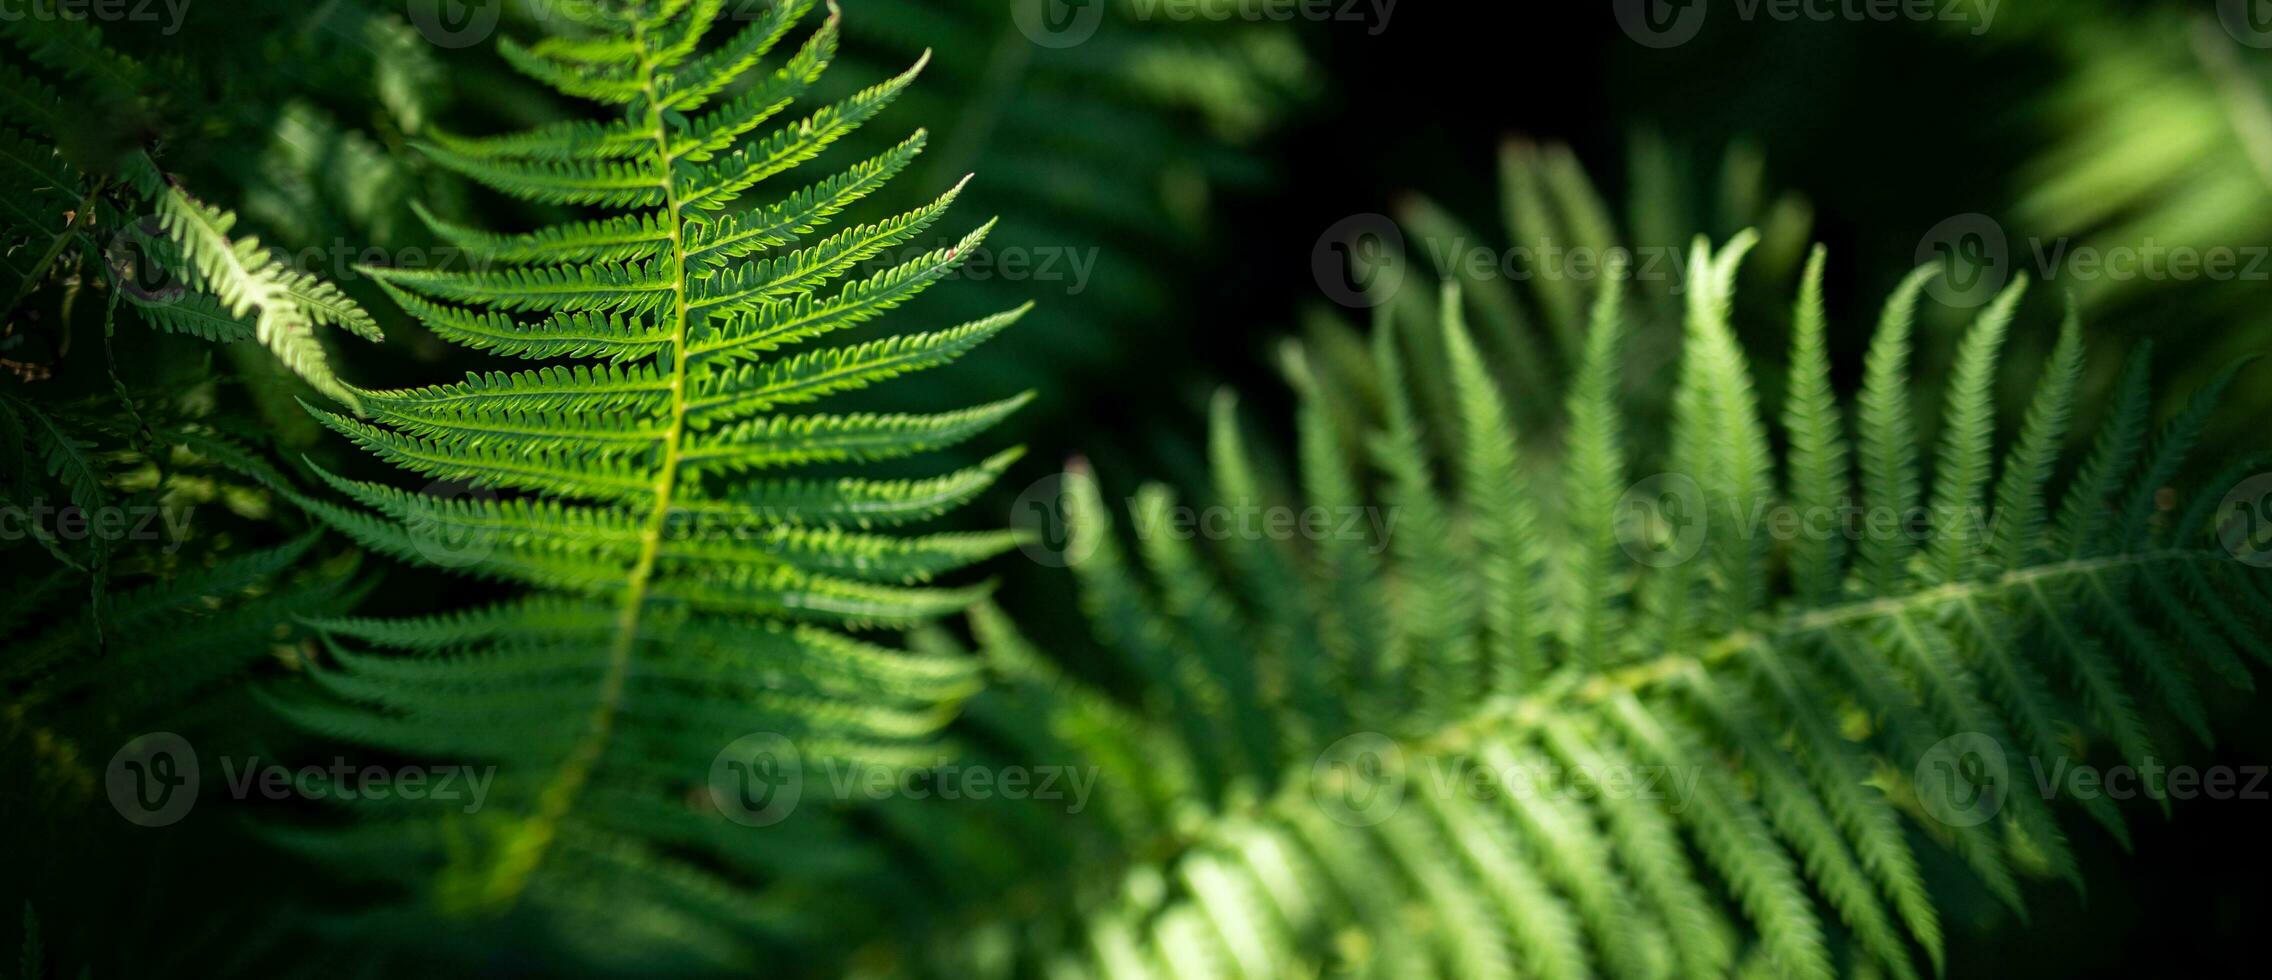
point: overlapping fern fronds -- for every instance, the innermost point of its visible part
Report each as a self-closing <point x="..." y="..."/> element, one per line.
<point x="1528" y="276"/>
<point x="2157" y="167"/>
<point x="146" y="576"/>
<point x="143" y="552"/>
<point x="683" y="587"/>
<point x="161" y="600"/>
<point x="1114" y="163"/>
<point x="99" y="208"/>
<point x="1590" y="720"/>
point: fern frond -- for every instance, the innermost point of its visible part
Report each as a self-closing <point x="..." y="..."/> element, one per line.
<point x="221" y="288"/>
<point x="1499" y="502"/>
<point x="1888" y="441"/>
<point x="1435" y="637"/>
<point x="1797" y="724"/>
<point x="1818" y="483"/>
<point x="2020" y="505"/>
<point x="138" y="638"/>
<point x="673" y="602"/>
<point x="67" y="457"/>
<point x="1961" y="473"/>
<point x="1596" y="461"/>
<point x="286" y="305"/>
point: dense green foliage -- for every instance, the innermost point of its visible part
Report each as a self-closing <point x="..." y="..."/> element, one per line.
<point x="1507" y="629"/>
<point x="114" y="200"/>
<point x="153" y="561"/>
<point x="1625" y="618"/>
<point x="682" y="594"/>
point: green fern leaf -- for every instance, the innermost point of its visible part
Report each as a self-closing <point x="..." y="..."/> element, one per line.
<point x="674" y="602"/>
<point x="1797" y="720"/>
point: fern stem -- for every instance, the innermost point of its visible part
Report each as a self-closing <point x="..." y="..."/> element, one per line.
<point x="1500" y="717"/>
<point x="85" y="215"/>
<point x="560" y="794"/>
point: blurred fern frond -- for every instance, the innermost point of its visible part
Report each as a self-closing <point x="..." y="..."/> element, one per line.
<point x="1653" y="730"/>
<point x="153" y="564"/>
<point x="160" y="510"/>
<point x="96" y="208"/>
<point x="1115" y="153"/>
<point x="2152" y="191"/>
<point x="153" y="561"/>
<point x="1527" y="279"/>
